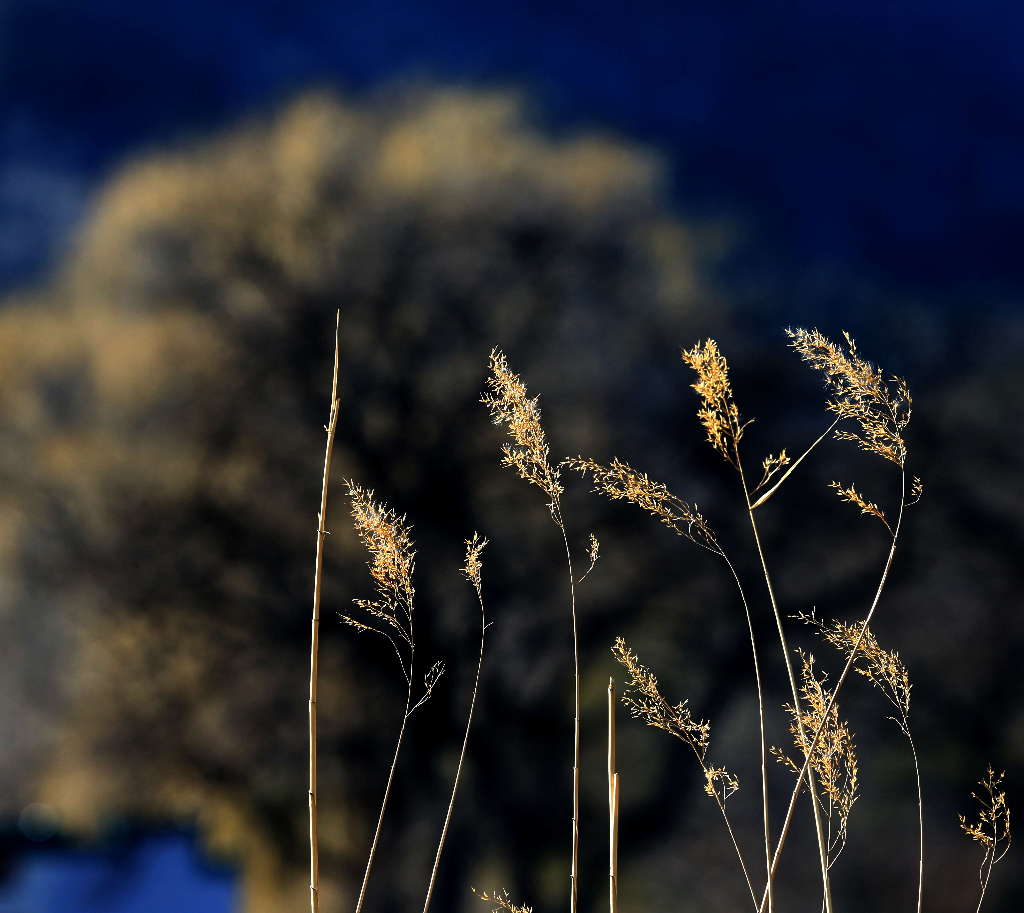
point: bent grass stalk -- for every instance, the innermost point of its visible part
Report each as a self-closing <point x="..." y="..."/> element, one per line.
<point x="472" y="570"/>
<point x="314" y="646"/>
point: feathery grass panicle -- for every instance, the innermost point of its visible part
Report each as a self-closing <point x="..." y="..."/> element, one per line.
<point x="718" y="782"/>
<point x="992" y="829"/>
<point x="387" y="537"/>
<point x="528" y="453"/>
<point x="771" y="465"/>
<point x="854" y="497"/>
<point x="860" y="392"/>
<point x="501" y="902"/>
<point x="645" y="702"/>
<point x="618" y="481"/>
<point x="883" y="668"/>
<point x="472" y="566"/>
<point x="834" y="755"/>
<point x="718" y="412"/>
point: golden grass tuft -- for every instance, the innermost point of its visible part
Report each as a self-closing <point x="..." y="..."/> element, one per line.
<point x="718" y="412"/>
<point x="860" y="392"/>
<point x="619" y="481"/>
<point x="528" y="453"/>
<point x="833" y="757"/>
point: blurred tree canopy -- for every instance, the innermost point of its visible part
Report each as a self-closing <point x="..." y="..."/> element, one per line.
<point x="163" y="399"/>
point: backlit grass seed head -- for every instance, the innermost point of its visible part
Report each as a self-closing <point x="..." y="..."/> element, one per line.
<point x="387" y="538"/>
<point x="719" y="782"/>
<point x="646" y="703"/>
<point x="883" y="668"/>
<point x="771" y="465"/>
<point x="509" y="405"/>
<point x="854" y="497"/>
<point x="880" y="406"/>
<point x="472" y="565"/>
<point x="718" y="412"/>
<point x="992" y="828"/>
<point x="501" y="902"/>
<point x="618" y="481"/>
<point x="834" y="759"/>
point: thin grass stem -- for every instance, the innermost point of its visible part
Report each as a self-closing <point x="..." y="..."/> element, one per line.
<point x="462" y="756"/>
<point x="314" y="641"/>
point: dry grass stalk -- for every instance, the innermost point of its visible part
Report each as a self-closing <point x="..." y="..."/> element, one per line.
<point x="471" y="569"/>
<point x="613" y="806"/>
<point x="719" y="415"/>
<point x="314" y="645"/>
<point x="527" y="452"/>
<point x="645" y="702"/>
<point x="388" y="539"/>
<point x="992" y="829"/>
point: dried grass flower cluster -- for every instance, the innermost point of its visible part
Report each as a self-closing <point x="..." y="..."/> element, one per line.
<point x="883" y="668"/>
<point x="528" y="452"/>
<point x="619" y="481"/>
<point x="718" y="412"/>
<point x="834" y="756"/>
<point x="992" y="828"/>
<point x="860" y="392"/>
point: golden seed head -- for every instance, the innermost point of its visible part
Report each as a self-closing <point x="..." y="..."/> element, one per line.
<point x="472" y="565"/>
<point x="387" y="537"/>
<point x="859" y="392"/>
<point x="618" y="481"/>
<point x="852" y="496"/>
<point x="645" y="702"/>
<point x="883" y="668"/>
<point x="718" y="412"/>
<point x="501" y="902"/>
<point x="834" y="758"/>
<point x="992" y="828"/>
<point x="509" y="405"/>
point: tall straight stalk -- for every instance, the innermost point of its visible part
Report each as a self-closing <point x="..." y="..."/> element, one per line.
<point x="613" y="806"/>
<point x="314" y="647"/>
<point x="840" y="681"/>
<point x="784" y="644"/>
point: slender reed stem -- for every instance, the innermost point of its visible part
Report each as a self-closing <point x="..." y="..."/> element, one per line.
<point x="613" y="806"/>
<point x="783" y="642"/>
<point x="574" y="872"/>
<point x="764" y="746"/>
<point x="841" y="680"/>
<point x="387" y="795"/>
<point x="462" y="756"/>
<point x="314" y="645"/>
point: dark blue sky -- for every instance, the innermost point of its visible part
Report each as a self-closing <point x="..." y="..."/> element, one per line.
<point x="883" y="137"/>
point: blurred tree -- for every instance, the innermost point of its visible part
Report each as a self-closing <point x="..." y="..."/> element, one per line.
<point x="163" y="399"/>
